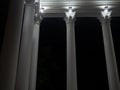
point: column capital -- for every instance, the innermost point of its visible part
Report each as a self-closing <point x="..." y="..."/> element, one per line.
<point x="38" y="18"/>
<point x="106" y="15"/>
<point x="70" y="14"/>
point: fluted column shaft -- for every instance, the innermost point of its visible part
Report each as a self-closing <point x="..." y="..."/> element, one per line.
<point x="23" y="71"/>
<point x="71" y="55"/>
<point x="34" y="55"/>
<point x="11" y="43"/>
<point x="112" y="72"/>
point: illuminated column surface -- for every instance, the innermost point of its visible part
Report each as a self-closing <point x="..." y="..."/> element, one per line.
<point x="71" y="52"/>
<point x="23" y="69"/>
<point x="112" y="72"/>
<point x="34" y="54"/>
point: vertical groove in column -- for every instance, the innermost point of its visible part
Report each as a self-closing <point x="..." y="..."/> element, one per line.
<point x="112" y="71"/>
<point x="71" y="56"/>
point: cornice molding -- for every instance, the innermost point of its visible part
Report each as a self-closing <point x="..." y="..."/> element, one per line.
<point x="82" y="7"/>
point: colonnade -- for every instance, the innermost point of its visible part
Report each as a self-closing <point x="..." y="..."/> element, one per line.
<point x="18" y="59"/>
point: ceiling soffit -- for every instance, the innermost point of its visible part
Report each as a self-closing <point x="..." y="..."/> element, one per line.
<point x="89" y="7"/>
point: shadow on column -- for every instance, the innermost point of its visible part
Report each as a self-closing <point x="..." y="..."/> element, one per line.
<point x="51" y="73"/>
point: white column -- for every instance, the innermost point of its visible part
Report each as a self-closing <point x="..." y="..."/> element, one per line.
<point x="23" y="71"/>
<point x="71" y="55"/>
<point x="10" y="48"/>
<point x="112" y="72"/>
<point x="34" y="56"/>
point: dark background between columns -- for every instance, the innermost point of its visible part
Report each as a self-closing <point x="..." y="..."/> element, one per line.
<point x="52" y="55"/>
<point x="91" y="67"/>
<point x="90" y="55"/>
